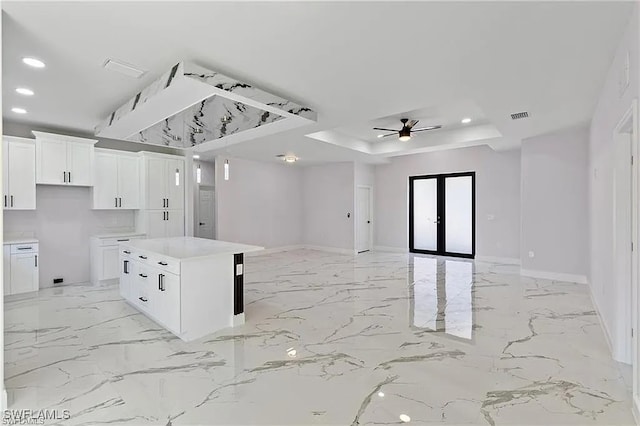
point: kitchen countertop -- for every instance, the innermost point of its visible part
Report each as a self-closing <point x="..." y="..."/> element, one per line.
<point x="119" y="235"/>
<point x="20" y="240"/>
<point x="183" y="248"/>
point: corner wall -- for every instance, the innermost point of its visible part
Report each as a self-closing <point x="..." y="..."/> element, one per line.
<point x="554" y="205"/>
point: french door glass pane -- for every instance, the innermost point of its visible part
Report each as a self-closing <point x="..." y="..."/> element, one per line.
<point x="459" y="215"/>
<point x="425" y="214"/>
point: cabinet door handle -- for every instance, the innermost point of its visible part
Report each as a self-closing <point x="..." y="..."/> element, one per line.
<point x="143" y="275"/>
<point x="125" y="239"/>
<point x="126" y="251"/>
<point x="163" y="263"/>
<point x="12" y="201"/>
<point x="144" y="299"/>
<point x="167" y="203"/>
<point x="167" y="215"/>
<point x="142" y="257"/>
<point x="5" y="201"/>
<point x="25" y="248"/>
<point x="116" y="198"/>
<point x="36" y="259"/>
<point x="126" y="266"/>
<point x="161" y="282"/>
<point x="69" y="177"/>
<point x="120" y="199"/>
<point x="64" y="176"/>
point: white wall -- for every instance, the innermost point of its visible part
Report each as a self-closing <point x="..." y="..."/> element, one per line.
<point x="327" y="199"/>
<point x="260" y="203"/>
<point x="555" y="204"/>
<point x="612" y="105"/>
<point x="63" y="223"/>
<point x="497" y="194"/>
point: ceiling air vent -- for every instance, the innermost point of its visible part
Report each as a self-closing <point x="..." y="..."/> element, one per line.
<point x="519" y="115"/>
<point x="123" y="68"/>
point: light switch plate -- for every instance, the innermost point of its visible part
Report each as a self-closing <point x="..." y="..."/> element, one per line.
<point x="239" y="268"/>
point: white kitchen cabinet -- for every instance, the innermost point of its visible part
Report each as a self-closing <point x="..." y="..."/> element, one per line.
<point x="116" y="180"/>
<point x="21" y="270"/>
<point x="164" y="223"/>
<point x="64" y="160"/>
<point x="105" y="264"/>
<point x="163" y="182"/>
<point x="190" y="286"/>
<point x="6" y="268"/>
<point x="19" y="174"/>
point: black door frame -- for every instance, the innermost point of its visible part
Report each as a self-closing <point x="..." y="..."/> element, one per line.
<point x="441" y="243"/>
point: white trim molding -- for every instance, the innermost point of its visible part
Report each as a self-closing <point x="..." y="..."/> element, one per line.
<point x="330" y="249"/>
<point x="495" y="259"/>
<point x="391" y="249"/>
<point x="275" y="250"/>
<point x="554" y="276"/>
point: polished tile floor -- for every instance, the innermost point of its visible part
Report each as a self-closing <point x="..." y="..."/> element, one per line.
<point x="330" y="339"/>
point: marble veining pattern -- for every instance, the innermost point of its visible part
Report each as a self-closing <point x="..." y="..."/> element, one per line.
<point x="330" y="339"/>
<point x="211" y="119"/>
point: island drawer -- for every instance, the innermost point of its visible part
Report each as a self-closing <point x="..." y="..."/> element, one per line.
<point x="164" y="263"/>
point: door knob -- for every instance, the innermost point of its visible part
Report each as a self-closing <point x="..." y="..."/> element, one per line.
<point x="368" y="221"/>
<point x="202" y="223"/>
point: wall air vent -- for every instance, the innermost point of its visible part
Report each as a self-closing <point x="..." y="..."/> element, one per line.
<point x="519" y="115"/>
<point x="123" y="68"/>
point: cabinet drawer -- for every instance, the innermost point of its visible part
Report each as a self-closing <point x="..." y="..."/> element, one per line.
<point x="165" y="264"/>
<point x="106" y="242"/>
<point x="24" y="248"/>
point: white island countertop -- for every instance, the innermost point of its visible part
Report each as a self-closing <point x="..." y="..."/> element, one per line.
<point x="182" y="248"/>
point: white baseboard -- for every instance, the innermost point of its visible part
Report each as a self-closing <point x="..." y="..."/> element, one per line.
<point x="635" y="409"/>
<point x="555" y="276"/>
<point x="329" y="249"/>
<point x="275" y="250"/>
<point x="495" y="259"/>
<point x="391" y="249"/>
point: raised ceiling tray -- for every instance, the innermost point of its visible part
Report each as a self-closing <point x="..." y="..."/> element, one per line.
<point x="191" y="106"/>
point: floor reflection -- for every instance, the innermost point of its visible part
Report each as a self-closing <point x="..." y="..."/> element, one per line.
<point x="441" y="294"/>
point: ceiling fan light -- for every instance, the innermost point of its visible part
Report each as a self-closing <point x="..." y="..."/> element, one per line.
<point x="404" y="134"/>
<point x="404" y="138"/>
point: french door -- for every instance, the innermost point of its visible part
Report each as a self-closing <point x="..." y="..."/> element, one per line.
<point x="442" y="214"/>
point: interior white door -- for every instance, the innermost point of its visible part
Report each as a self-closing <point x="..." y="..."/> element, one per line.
<point x="205" y="227"/>
<point x="425" y="214"/>
<point x="24" y="273"/>
<point x="175" y="184"/>
<point x="128" y="182"/>
<point x="6" y="265"/>
<point x="51" y="162"/>
<point x="105" y="190"/>
<point x="21" y="176"/>
<point x="363" y="219"/>
<point x="156" y="183"/>
<point x="80" y="163"/>
<point x="174" y="223"/>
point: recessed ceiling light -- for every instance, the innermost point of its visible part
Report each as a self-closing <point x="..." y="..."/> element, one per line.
<point x="380" y="136"/>
<point x="290" y="159"/>
<point x="381" y="394"/>
<point x="196" y="157"/>
<point x="33" y="62"/>
<point x="19" y="110"/>
<point x="405" y="418"/>
<point x="24" y="91"/>
<point x="465" y="120"/>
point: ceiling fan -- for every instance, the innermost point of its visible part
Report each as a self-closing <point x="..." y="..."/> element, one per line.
<point x="404" y="134"/>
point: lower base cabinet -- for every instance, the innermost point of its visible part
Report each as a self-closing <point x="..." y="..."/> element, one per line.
<point x="21" y="272"/>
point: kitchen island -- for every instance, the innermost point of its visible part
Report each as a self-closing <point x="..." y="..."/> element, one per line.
<point x="190" y="286"/>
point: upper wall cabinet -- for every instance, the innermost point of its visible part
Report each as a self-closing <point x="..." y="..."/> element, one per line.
<point x="163" y="182"/>
<point x="116" y="180"/>
<point x="19" y="173"/>
<point x="64" y="160"/>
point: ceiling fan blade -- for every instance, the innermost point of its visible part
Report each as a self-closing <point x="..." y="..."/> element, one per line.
<point x="412" y="123"/>
<point x="387" y="130"/>
<point x="426" y="128"/>
<point x="390" y="134"/>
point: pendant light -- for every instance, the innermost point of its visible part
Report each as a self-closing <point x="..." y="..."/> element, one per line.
<point x="198" y="174"/>
<point x="226" y="169"/>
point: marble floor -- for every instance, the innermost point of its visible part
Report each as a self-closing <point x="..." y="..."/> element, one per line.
<point x="330" y="339"/>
